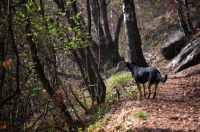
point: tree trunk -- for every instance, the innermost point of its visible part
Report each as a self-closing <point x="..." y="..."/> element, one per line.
<point x="82" y="66"/>
<point x="101" y="88"/>
<point x="12" y="41"/>
<point x="46" y="84"/>
<point x="2" y="70"/>
<point x="103" y="9"/>
<point x="104" y="52"/>
<point x="191" y="27"/>
<point x="91" y="85"/>
<point x="101" y="38"/>
<point x="182" y="21"/>
<point x="117" y="57"/>
<point x="3" y="5"/>
<point x="133" y="38"/>
<point x="106" y="43"/>
<point x="93" y="72"/>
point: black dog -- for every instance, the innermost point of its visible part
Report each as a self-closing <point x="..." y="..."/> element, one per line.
<point x="145" y="74"/>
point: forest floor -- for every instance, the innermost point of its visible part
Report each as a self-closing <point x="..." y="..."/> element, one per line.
<point x="176" y="107"/>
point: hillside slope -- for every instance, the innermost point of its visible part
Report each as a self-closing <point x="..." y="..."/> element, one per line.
<point x="176" y="108"/>
<point x="177" y="104"/>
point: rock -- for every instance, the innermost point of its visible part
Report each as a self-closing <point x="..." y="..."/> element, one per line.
<point x="103" y="76"/>
<point x="173" y="45"/>
<point x="120" y="66"/>
<point x="188" y="56"/>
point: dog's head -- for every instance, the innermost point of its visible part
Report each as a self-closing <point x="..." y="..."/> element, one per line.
<point x="121" y="65"/>
<point x="133" y="63"/>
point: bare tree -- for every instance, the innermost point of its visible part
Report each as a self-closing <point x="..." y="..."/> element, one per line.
<point x="133" y="38"/>
<point x="103" y="10"/>
<point x="15" y="49"/>
<point x="106" y="43"/>
<point x="96" y="86"/>
<point x="181" y="17"/>
<point x="45" y="82"/>
<point x="116" y="40"/>
<point x="190" y="25"/>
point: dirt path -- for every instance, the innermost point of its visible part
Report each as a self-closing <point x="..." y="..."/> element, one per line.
<point x="175" y="109"/>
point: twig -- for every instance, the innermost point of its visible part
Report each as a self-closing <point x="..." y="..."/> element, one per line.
<point x="45" y="113"/>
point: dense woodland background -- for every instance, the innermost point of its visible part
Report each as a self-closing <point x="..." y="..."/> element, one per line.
<point x="56" y="55"/>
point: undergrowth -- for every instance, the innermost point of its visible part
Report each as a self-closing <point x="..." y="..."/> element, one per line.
<point x="140" y="114"/>
<point x="121" y="81"/>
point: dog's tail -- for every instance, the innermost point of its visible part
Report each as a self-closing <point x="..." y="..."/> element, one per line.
<point x="161" y="78"/>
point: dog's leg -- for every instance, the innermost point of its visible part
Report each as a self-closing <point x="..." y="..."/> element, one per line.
<point x="139" y="88"/>
<point x="156" y="86"/>
<point x="144" y="90"/>
<point x="149" y="87"/>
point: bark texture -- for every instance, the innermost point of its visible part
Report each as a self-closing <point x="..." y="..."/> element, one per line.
<point x="133" y="38"/>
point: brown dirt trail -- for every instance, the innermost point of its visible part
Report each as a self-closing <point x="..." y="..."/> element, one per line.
<point x="175" y="109"/>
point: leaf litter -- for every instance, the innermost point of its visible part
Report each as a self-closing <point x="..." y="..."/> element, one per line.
<point x="175" y="109"/>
